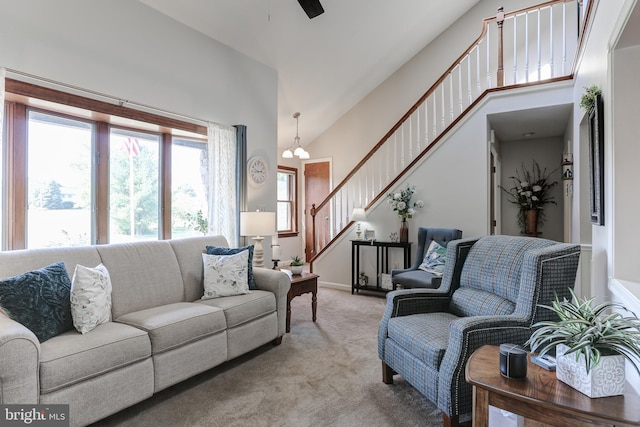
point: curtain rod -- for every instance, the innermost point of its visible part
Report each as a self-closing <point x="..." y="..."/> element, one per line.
<point x="121" y="102"/>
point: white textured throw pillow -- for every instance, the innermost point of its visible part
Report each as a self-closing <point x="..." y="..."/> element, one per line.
<point x="225" y="275"/>
<point x="90" y="297"/>
<point x="434" y="259"/>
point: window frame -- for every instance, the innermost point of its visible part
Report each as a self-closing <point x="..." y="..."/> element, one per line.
<point x="293" y="202"/>
<point x="20" y="96"/>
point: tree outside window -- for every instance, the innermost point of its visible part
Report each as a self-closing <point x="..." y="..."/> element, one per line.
<point x="287" y="195"/>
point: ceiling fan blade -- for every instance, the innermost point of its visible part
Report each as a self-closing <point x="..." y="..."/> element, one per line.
<point x="312" y="8"/>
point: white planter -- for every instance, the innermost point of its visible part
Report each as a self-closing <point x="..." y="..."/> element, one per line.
<point x="296" y="269"/>
<point x="606" y="379"/>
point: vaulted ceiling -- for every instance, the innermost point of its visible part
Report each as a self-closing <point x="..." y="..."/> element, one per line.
<point x="327" y="64"/>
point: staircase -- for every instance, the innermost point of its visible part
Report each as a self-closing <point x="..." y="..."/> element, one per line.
<point x="531" y="46"/>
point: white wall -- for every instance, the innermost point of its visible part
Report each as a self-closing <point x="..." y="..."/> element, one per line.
<point x="625" y="170"/>
<point x="624" y="269"/>
<point x="128" y="50"/>
<point x="453" y="181"/>
<point x="614" y="256"/>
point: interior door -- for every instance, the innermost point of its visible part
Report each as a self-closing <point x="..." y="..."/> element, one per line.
<point x="316" y="188"/>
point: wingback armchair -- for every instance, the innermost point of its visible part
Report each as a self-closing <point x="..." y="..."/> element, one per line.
<point x="490" y="294"/>
<point x="413" y="277"/>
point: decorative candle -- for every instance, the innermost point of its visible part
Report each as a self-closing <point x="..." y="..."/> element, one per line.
<point x="275" y="252"/>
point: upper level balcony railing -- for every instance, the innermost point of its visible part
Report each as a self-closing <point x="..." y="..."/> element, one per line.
<point x="527" y="46"/>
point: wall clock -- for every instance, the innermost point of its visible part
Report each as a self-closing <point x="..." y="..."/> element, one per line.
<point x="258" y="171"/>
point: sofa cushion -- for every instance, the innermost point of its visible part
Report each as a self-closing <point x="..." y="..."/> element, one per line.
<point x="424" y="335"/>
<point x="188" y="252"/>
<point x="417" y="279"/>
<point x="39" y="300"/>
<point x="143" y="275"/>
<point x="494" y="264"/>
<point x="90" y="297"/>
<point x="244" y="308"/>
<point x="480" y="303"/>
<point x="173" y="325"/>
<point x="72" y="357"/>
<point x="17" y="262"/>
<point x="225" y="275"/>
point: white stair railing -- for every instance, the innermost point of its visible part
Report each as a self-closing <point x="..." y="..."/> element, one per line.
<point x="531" y="45"/>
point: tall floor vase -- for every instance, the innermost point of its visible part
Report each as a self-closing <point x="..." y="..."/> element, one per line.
<point x="404" y="231"/>
<point x="531" y="222"/>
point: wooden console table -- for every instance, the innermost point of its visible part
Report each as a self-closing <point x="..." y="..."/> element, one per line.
<point x="541" y="397"/>
<point x="382" y="261"/>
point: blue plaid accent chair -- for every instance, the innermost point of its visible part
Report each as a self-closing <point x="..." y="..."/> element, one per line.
<point x="490" y="294"/>
<point x="414" y="277"/>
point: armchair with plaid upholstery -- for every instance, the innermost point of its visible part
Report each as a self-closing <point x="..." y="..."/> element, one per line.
<point x="490" y="294"/>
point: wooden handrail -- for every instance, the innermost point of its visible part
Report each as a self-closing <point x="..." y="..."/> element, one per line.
<point x="499" y="18"/>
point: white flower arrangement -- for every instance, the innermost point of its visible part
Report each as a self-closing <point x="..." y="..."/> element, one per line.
<point x="400" y="202"/>
<point x="531" y="191"/>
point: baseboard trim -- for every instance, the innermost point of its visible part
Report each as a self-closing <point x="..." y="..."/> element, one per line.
<point x="332" y="285"/>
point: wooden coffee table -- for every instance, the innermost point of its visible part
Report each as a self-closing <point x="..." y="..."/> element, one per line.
<point x="541" y="397"/>
<point x="302" y="284"/>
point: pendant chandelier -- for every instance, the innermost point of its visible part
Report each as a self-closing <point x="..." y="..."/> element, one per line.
<point x="296" y="149"/>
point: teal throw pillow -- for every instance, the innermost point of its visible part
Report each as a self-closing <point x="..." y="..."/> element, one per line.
<point x="40" y="300"/>
<point x="434" y="259"/>
<point x="221" y="250"/>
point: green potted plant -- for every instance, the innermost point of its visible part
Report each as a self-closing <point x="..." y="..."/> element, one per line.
<point x="592" y="344"/>
<point x="296" y="264"/>
<point x="588" y="98"/>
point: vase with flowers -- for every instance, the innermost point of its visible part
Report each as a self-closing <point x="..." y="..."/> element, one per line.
<point x="531" y="191"/>
<point x="400" y="202"/>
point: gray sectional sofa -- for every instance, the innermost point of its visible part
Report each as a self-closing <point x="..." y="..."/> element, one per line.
<point x="161" y="333"/>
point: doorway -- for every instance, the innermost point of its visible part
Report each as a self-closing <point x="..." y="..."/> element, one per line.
<point x="317" y="185"/>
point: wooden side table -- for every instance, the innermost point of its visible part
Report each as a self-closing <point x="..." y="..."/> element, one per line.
<point x="301" y="284"/>
<point x="541" y="397"/>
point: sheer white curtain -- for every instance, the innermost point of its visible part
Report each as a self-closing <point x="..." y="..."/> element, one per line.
<point x="223" y="182"/>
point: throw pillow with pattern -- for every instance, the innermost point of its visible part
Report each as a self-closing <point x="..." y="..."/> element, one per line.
<point x="434" y="259"/>
<point x="225" y="275"/>
<point x="90" y="297"/>
<point x="39" y="300"/>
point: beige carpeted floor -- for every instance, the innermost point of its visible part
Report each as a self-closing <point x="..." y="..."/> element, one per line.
<point x="323" y="374"/>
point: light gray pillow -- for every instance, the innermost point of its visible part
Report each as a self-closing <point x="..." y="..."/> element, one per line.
<point x="225" y="275"/>
<point x="90" y="297"/>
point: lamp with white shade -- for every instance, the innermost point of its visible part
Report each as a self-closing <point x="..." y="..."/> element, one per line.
<point x="258" y="224"/>
<point x="358" y="215"/>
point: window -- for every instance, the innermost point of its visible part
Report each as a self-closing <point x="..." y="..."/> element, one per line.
<point x="59" y="194"/>
<point x="189" y="183"/>
<point x="287" y="192"/>
<point x="77" y="171"/>
<point x="134" y="193"/>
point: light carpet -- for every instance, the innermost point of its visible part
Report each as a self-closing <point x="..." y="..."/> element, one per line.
<point x="325" y="373"/>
